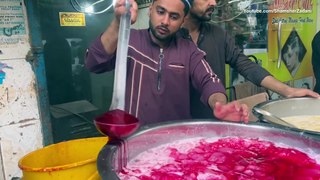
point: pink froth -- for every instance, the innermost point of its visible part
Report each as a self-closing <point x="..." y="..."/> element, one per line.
<point x="226" y="158"/>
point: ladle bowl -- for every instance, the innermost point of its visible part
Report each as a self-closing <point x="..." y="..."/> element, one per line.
<point x="116" y="124"/>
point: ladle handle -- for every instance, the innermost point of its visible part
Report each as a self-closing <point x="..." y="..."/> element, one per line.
<point x="272" y="118"/>
<point x="120" y="75"/>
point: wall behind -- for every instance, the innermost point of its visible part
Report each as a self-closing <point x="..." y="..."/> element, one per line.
<point x="20" y="129"/>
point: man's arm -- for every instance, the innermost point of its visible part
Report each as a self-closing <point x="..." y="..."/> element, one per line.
<point x="109" y="38"/>
<point x="213" y="91"/>
<point x="259" y="75"/>
<point x="273" y="84"/>
<point x="100" y="56"/>
<point x="217" y="97"/>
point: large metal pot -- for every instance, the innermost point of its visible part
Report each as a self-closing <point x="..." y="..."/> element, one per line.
<point x="286" y="108"/>
<point x="151" y="136"/>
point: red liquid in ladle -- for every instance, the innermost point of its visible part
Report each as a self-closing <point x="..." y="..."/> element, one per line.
<point x="230" y="159"/>
<point x="116" y="123"/>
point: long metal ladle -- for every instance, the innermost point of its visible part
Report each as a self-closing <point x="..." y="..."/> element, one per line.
<point x="116" y="123"/>
<point x="273" y="118"/>
<point x="120" y="76"/>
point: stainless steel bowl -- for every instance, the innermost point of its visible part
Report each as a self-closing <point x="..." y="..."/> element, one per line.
<point x="151" y="136"/>
<point x="288" y="107"/>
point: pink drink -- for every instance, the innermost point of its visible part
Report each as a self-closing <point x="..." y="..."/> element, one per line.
<point x="116" y="123"/>
<point x="225" y="159"/>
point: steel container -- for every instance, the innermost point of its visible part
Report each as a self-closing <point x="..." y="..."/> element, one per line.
<point x="286" y="108"/>
<point x="154" y="135"/>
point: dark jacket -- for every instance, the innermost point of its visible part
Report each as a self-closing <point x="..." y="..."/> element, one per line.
<point x="316" y="60"/>
<point x="220" y="49"/>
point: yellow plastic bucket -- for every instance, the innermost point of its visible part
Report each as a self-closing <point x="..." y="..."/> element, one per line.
<point x="74" y="159"/>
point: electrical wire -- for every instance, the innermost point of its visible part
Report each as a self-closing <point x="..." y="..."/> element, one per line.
<point x="237" y="15"/>
<point x="232" y="1"/>
<point x="227" y="20"/>
<point x="261" y="2"/>
<point x="76" y="5"/>
<point x="220" y="4"/>
<point x="75" y="114"/>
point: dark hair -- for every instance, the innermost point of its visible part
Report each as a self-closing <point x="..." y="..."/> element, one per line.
<point x="187" y="5"/>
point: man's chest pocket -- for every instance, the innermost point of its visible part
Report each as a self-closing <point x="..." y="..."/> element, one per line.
<point x="177" y="68"/>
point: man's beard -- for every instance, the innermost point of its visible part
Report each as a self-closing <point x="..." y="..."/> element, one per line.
<point x="158" y="36"/>
<point x="204" y="17"/>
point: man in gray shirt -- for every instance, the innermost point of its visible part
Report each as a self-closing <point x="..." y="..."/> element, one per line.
<point x="220" y="49"/>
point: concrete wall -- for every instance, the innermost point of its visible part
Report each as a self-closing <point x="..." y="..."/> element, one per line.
<point x="20" y="127"/>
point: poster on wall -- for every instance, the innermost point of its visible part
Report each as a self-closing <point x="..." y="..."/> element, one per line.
<point x="292" y="25"/>
<point x="14" y="42"/>
<point x="304" y="83"/>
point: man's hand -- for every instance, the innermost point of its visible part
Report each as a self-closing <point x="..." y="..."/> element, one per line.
<point x="300" y="92"/>
<point x="109" y="38"/>
<point x="232" y="111"/>
<point x="120" y="8"/>
<point x="274" y="85"/>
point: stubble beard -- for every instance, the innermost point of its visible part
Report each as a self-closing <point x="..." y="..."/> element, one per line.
<point x="160" y="38"/>
<point x="203" y="17"/>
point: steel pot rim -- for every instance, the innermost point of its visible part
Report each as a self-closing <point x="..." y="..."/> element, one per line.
<point x="264" y="119"/>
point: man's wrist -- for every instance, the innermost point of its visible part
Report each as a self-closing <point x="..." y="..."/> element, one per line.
<point x="217" y="97"/>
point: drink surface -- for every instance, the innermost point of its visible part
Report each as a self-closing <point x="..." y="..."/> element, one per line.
<point x="225" y="158"/>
